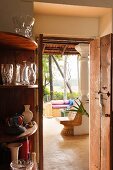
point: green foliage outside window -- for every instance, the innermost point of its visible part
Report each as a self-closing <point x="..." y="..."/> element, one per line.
<point x="59" y="95"/>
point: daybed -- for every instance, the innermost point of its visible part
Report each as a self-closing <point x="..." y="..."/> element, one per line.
<point x="54" y="107"/>
<point x="59" y="105"/>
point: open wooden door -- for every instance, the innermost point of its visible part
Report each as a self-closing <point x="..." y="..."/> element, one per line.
<point x="94" y="105"/>
<point x="105" y="97"/>
<point x="100" y="104"/>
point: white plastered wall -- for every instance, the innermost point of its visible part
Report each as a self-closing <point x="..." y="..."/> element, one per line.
<point x="66" y="26"/>
<point x="105" y="24"/>
<point x="10" y="8"/>
<point x="96" y="3"/>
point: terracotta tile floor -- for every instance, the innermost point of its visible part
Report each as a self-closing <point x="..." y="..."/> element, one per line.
<point x="64" y="153"/>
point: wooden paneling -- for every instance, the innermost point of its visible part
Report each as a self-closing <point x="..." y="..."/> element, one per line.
<point x="94" y="105"/>
<point x="12" y="101"/>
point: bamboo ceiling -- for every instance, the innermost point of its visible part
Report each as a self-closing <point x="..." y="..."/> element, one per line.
<point x="61" y="45"/>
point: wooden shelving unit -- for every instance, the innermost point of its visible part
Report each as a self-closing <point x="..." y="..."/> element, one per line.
<point x="14" y="49"/>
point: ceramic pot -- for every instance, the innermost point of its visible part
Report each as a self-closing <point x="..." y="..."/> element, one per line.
<point x="28" y="114"/>
<point x="14" y="147"/>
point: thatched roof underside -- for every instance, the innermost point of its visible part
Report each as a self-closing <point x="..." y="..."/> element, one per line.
<point x="62" y="46"/>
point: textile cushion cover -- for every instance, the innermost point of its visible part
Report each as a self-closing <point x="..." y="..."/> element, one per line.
<point x="60" y="106"/>
<point x="58" y="102"/>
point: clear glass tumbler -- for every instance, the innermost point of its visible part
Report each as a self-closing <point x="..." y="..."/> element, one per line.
<point x="24" y="74"/>
<point x="17" y="74"/>
<point x="7" y="73"/>
<point x="21" y="165"/>
<point x="32" y="73"/>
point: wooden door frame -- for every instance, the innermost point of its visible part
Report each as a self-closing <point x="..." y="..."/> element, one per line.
<point x="40" y="100"/>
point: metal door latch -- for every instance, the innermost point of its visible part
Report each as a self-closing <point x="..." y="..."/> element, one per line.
<point x="107" y="115"/>
<point x="108" y="93"/>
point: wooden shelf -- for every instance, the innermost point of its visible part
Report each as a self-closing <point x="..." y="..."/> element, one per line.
<point x="29" y="131"/>
<point x="4" y="138"/>
<point x="5" y="167"/>
<point x="16" y="41"/>
<point x="19" y="86"/>
<point x="14" y="49"/>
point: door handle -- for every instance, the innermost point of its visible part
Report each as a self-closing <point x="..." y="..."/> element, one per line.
<point x="108" y="93"/>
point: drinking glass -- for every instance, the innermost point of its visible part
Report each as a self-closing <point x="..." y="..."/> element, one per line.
<point x="23" y="25"/>
<point x="29" y="22"/>
<point x="17" y="74"/>
<point x="21" y="165"/>
<point x="7" y="73"/>
<point x="24" y="73"/>
<point x="19" y="24"/>
<point x="32" y="73"/>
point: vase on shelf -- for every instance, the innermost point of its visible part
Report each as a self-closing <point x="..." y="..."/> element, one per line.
<point x="33" y="158"/>
<point x="14" y="148"/>
<point x="28" y="114"/>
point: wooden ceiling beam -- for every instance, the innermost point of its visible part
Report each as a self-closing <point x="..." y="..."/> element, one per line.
<point x="67" y="39"/>
<point x="62" y="45"/>
<point x="64" y="49"/>
<point x="59" y="53"/>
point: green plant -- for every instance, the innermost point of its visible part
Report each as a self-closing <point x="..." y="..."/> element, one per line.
<point x="79" y="108"/>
